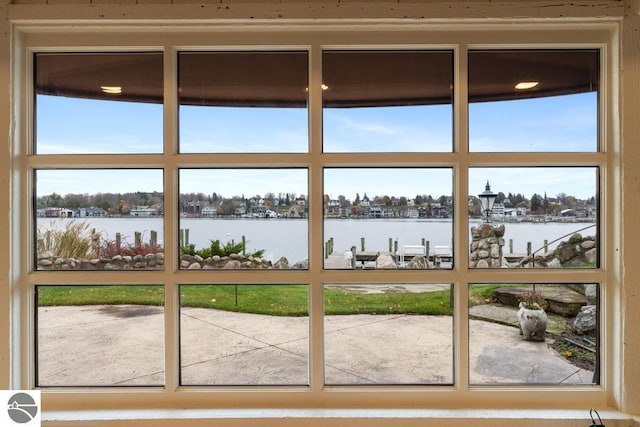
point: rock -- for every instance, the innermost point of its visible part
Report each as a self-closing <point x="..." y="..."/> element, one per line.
<point x="554" y="263"/>
<point x="486" y="230"/>
<point x="385" y="261"/>
<point x="591" y="256"/>
<point x="283" y="262"/>
<point x="195" y="266"/>
<point x="586" y="320"/>
<point x="566" y="251"/>
<point x="560" y="299"/>
<point x="591" y="293"/>
<point x="184" y="263"/>
<point x="45" y="262"/>
<point x="302" y="265"/>
<point x="232" y="264"/>
<point x="418" y="263"/>
<point x="575" y="238"/>
<point x="495" y="251"/>
<point x="482" y="264"/>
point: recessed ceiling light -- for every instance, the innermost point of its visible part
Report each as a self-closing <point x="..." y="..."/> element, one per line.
<point x="526" y="85"/>
<point x="323" y="86"/>
<point x="111" y="90"/>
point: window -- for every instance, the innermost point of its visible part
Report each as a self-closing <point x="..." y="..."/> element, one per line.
<point x="278" y="218"/>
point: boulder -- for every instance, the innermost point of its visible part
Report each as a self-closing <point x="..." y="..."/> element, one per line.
<point x="232" y="264"/>
<point x="586" y="319"/>
<point x="591" y="293"/>
<point x="385" y="261"/>
<point x="418" y="263"/>
<point x="283" y="262"/>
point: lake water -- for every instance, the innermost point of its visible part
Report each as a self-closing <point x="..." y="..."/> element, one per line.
<point x="289" y="237"/>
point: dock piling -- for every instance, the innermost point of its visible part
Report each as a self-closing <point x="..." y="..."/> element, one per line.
<point x="353" y="258"/>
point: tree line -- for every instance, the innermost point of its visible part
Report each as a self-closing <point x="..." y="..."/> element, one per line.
<point x="118" y="202"/>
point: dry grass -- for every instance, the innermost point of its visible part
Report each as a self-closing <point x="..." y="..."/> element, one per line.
<point x="74" y="240"/>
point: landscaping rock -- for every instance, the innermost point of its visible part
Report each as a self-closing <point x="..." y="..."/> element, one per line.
<point x="586" y="319"/>
<point x="418" y="263"/>
<point x="385" y="261"/>
<point x="560" y="299"/>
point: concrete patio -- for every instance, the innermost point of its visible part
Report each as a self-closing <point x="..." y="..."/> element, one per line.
<point x="124" y="345"/>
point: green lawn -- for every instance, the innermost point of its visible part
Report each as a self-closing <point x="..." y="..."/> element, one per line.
<point x="279" y="300"/>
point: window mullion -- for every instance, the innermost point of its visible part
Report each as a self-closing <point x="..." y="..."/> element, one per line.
<point x="461" y="220"/>
<point x="316" y="315"/>
<point x="171" y="191"/>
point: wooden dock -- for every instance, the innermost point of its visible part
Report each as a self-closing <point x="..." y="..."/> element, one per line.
<point x="337" y="260"/>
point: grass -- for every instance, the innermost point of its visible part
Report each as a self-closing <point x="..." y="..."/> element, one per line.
<point x="74" y="240"/>
<point x="482" y="294"/>
<point x="92" y="295"/>
<point x="277" y="300"/>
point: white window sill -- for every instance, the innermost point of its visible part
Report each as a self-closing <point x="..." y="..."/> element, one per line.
<point x="336" y="417"/>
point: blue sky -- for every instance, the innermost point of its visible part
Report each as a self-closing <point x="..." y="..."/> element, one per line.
<point x="563" y="123"/>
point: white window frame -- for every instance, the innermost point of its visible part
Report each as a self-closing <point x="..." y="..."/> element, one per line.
<point x="30" y="39"/>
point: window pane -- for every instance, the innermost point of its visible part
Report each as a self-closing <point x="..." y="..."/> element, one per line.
<point x="557" y="110"/>
<point x="388" y="334"/>
<point x="100" y="335"/>
<point x="388" y="218"/>
<point x="541" y="217"/>
<point x="98" y="103"/>
<point x="387" y="101"/>
<point x="243" y="102"/>
<point x="100" y="219"/>
<point x="243" y="218"/>
<point x="244" y="335"/>
<point x="534" y="334"/>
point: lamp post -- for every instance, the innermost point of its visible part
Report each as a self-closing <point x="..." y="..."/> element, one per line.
<point x="487" y="198"/>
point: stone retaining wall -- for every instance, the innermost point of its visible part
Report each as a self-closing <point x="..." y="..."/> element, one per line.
<point x="576" y="252"/>
<point x="156" y="261"/>
<point x="486" y="246"/>
<point x="119" y="262"/>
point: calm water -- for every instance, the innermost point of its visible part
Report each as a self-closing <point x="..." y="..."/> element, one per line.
<point x="289" y="237"/>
